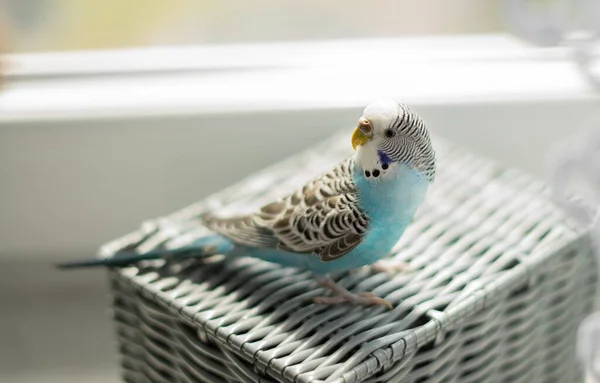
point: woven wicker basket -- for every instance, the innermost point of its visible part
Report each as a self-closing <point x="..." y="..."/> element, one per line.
<point x="498" y="286"/>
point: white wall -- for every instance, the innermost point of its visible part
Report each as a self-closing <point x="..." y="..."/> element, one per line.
<point x="69" y="187"/>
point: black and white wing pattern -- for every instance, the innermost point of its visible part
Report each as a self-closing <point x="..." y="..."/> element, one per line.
<point x="322" y="218"/>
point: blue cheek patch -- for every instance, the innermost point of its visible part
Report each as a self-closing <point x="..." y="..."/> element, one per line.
<point x="383" y="158"/>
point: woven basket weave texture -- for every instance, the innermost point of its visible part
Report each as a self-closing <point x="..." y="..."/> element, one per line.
<point x="497" y="287"/>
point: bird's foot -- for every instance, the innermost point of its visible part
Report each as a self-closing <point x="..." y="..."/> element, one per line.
<point x="341" y="295"/>
<point x="390" y="266"/>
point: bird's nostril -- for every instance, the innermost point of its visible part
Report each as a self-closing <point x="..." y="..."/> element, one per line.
<point x="365" y="126"/>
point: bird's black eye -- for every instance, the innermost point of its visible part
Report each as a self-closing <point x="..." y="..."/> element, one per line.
<point x="389" y="133"/>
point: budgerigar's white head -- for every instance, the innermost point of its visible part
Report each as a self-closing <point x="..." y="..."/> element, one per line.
<point x="390" y="134"/>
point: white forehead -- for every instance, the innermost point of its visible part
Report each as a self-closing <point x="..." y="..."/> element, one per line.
<point x="381" y="112"/>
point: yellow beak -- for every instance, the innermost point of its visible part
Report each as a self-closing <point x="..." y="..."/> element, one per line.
<point x="359" y="138"/>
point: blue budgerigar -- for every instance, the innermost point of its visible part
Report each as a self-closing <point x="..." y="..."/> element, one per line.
<point x="344" y="219"/>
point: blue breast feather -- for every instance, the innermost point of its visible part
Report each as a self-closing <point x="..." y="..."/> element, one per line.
<point x="390" y="205"/>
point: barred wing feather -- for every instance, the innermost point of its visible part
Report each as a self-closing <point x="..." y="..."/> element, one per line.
<point x="322" y="218"/>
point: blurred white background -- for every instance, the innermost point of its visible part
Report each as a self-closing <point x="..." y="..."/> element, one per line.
<point x="113" y="112"/>
<point x="49" y="25"/>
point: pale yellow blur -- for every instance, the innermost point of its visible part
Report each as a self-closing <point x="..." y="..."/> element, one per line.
<point x="102" y="24"/>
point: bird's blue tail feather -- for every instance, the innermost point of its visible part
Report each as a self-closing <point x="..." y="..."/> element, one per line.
<point x="204" y="247"/>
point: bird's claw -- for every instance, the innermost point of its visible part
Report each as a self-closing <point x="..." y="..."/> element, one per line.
<point x="341" y="295"/>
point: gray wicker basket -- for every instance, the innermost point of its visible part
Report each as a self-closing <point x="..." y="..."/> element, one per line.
<point x="498" y="286"/>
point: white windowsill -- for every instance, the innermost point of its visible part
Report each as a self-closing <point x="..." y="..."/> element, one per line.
<point x="284" y="76"/>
